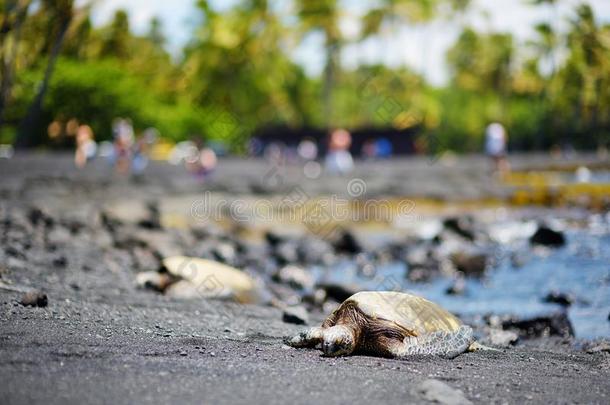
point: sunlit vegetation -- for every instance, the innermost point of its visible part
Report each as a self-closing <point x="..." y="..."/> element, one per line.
<point x="236" y="76"/>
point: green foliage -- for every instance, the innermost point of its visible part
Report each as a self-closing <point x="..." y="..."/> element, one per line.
<point x="97" y="92"/>
<point x="236" y="75"/>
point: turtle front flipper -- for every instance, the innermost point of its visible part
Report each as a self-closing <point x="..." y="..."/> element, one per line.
<point x="442" y="343"/>
<point x="308" y="338"/>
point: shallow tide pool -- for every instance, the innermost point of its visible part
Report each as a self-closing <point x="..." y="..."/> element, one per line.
<point x="580" y="268"/>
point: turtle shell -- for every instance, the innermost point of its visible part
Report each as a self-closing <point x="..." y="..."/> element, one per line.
<point x="407" y="310"/>
<point x="210" y="279"/>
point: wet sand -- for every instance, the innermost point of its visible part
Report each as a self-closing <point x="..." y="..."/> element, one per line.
<point x="102" y="340"/>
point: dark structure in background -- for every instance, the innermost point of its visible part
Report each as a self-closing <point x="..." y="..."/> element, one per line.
<point x="403" y="141"/>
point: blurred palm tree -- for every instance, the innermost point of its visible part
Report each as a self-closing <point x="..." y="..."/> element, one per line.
<point x="587" y="72"/>
<point x="59" y="14"/>
<point x="13" y="16"/>
<point x="324" y="16"/>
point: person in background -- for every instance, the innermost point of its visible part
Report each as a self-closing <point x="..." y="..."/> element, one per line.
<point x="140" y="158"/>
<point x="202" y="160"/>
<point x="384" y="148"/>
<point x="141" y="150"/>
<point x="495" y="147"/>
<point x="85" y="146"/>
<point x="123" y="142"/>
<point x="307" y="150"/>
<point x="339" y="159"/>
<point x="369" y="149"/>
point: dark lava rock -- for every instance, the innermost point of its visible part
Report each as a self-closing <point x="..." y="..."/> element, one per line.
<point x="315" y="251"/>
<point x="346" y="242"/>
<point x="273" y="239"/>
<point x="555" y="297"/>
<point x="153" y="220"/>
<point x="60" y="261"/>
<point x="315" y="299"/>
<point x="471" y="264"/>
<point x="110" y="223"/>
<point x="597" y="347"/>
<point x="225" y="252"/>
<point x="284" y="294"/>
<point x="556" y="324"/>
<point x="422" y="264"/>
<point x="463" y="226"/>
<point x="500" y="338"/>
<point x="546" y="236"/>
<point x="418" y="274"/>
<point x="296" y="315"/>
<point x="458" y="287"/>
<point x="286" y="252"/>
<point x="145" y="259"/>
<point x="294" y="276"/>
<point x="73" y="225"/>
<point x="34" y="299"/>
<point x="338" y="292"/>
<point x="37" y="216"/>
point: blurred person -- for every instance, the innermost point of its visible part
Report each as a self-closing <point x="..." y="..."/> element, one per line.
<point x="555" y="152"/>
<point x="6" y="151"/>
<point x="308" y="153"/>
<point x="141" y="150"/>
<point x="207" y="161"/>
<point x="275" y="153"/>
<point x="307" y="150"/>
<point x="369" y="149"/>
<point x="139" y="160"/>
<point x="202" y="160"/>
<point x="72" y="127"/>
<point x="339" y="159"/>
<point x="54" y="129"/>
<point x="255" y="147"/>
<point x="495" y="146"/>
<point x="583" y="175"/>
<point x="85" y="146"/>
<point x="384" y="148"/>
<point x="123" y="142"/>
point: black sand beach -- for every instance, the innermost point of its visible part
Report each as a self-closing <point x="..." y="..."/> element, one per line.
<point x="101" y="339"/>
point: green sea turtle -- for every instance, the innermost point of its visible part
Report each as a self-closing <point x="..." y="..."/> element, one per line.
<point x="191" y="277"/>
<point x="389" y="324"/>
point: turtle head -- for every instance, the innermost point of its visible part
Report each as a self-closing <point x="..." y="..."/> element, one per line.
<point x="338" y="341"/>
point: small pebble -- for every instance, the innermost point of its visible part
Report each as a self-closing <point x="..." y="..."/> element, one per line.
<point x="183" y="353"/>
<point x="34" y="299"/>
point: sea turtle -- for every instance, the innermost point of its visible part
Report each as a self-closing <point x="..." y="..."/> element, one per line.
<point x="191" y="277"/>
<point x="389" y="324"/>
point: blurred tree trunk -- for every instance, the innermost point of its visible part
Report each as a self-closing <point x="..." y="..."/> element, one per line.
<point x="329" y="82"/>
<point x="30" y="123"/>
<point x="324" y="15"/>
<point x="15" y="13"/>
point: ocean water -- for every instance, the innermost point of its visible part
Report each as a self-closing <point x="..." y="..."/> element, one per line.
<point x="581" y="268"/>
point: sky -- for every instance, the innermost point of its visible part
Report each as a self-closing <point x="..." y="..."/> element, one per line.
<point x="421" y="47"/>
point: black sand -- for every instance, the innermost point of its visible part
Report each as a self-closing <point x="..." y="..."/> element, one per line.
<point x="101" y="340"/>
